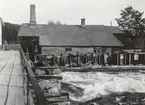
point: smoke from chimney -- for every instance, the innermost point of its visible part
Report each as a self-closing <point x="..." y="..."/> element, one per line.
<point x="32" y="14"/>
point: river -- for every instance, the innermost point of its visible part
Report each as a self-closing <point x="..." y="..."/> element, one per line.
<point x="97" y="84"/>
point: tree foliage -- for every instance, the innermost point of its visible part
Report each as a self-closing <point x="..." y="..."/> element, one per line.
<point x="55" y="23"/>
<point x="58" y="23"/>
<point x="51" y="22"/>
<point x="131" y="21"/>
<point x="10" y="31"/>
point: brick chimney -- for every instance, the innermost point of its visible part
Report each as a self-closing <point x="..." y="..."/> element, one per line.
<point x="32" y="14"/>
<point x="82" y="22"/>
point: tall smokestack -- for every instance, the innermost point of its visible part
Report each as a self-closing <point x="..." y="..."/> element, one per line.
<point x="83" y="22"/>
<point x="32" y="14"/>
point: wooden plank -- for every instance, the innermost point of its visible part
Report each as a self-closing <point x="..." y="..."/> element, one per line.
<point x="19" y="96"/>
<point x="15" y="93"/>
<point x="25" y="83"/>
<point x="2" y="63"/>
<point x="15" y="96"/>
<point x="49" y="77"/>
<point x="13" y="81"/>
<point x="9" y="65"/>
<point x="51" y="67"/>
<point x="39" y="93"/>
<point x="57" y="99"/>
<point x="3" y="92"/>
<point x="2" y="100"/>
<point x="61" y="94"/>
<point x="17" y="72"/>
<point x="31" y="101"/>
<point x="8" y="68"/>
<point x="4" y="79"/>
<point x="104" y="69"/>
<point x="79" y="46"/>
<point x="17" y="69"/>
<point x="16" y="81"/>
<point x="11" y="96"/>
<point x="20" y="81"/>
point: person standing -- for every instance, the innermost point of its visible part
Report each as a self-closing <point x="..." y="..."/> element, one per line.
<point x="106" y="59"/>
<point x="102" y="59"/>
<point x="35" y="54"/>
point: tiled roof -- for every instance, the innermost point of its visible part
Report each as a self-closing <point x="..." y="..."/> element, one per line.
<point x="90" y="35"/>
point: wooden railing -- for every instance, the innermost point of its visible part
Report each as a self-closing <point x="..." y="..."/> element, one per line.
<point x="30" y="78"/>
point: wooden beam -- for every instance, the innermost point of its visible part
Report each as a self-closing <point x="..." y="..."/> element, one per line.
<point x="83" y="46"/>
<point x="50" y="67"/>
<point x="61" y="94"/>
<point x="118" y="55"/>
<point x="49" y="77"/>
<point x="39" y="93"/>
<point x="30" y="99"/>
<point x="118" y="69"/>
<point x="129" y="59"/>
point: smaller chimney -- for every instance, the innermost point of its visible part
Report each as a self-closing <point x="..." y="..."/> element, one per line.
<point x="83" y="22"/>
<point x="32" y="14"/>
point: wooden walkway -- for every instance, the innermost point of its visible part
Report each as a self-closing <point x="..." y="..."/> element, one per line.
<point x="11" y="79"/>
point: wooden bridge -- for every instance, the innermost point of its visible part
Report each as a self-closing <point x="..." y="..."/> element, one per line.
<point x="18" y="83"/>
<point x="11" y="79"/>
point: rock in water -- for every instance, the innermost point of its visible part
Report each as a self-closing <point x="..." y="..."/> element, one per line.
<point x="57" y="71"/>
<point x="72" y="89"/>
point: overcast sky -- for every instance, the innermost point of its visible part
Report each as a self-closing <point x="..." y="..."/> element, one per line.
<point x="67" y="11"/>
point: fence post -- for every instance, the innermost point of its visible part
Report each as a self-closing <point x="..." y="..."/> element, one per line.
<point x="27" y="89"/>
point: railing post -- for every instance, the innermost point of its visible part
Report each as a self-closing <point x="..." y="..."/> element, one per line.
<point x="27" y="90"/>
<point x="31" y="78"/>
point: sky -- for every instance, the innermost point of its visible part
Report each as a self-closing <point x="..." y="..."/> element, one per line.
<point x="96" y="12"/>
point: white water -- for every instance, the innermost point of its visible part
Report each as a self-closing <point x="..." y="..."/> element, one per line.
<point x="96" y="84"/>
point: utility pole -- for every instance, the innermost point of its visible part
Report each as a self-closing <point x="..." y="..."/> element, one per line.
<point x="0" y="33"/>
<point x="1" y="24"/>
<point x="110" y="23"/>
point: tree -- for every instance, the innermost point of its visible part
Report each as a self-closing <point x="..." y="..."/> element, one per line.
<point x="10" y="31"/>
<point x="131" y="21"/>
<point x="51" y="22"/>
<point x="58" y="23"/>
<point x="55" y="23"/>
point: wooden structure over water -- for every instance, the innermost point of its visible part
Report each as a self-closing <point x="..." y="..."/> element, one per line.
<point x="20" y="86"/>
<point x="11" y="79"/>
<point x="68" y="39"/>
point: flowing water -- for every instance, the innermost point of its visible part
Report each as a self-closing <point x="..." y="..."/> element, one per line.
<point x="96" y="84"/>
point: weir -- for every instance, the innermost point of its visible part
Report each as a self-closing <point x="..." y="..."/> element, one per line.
<point x="37" y="91"/>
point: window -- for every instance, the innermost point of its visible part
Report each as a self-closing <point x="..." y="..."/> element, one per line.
<point x="135" y="56"/>
<point x="68" y="49"/>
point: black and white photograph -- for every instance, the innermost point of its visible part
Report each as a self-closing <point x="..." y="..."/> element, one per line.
<point x="72" y="52"/>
